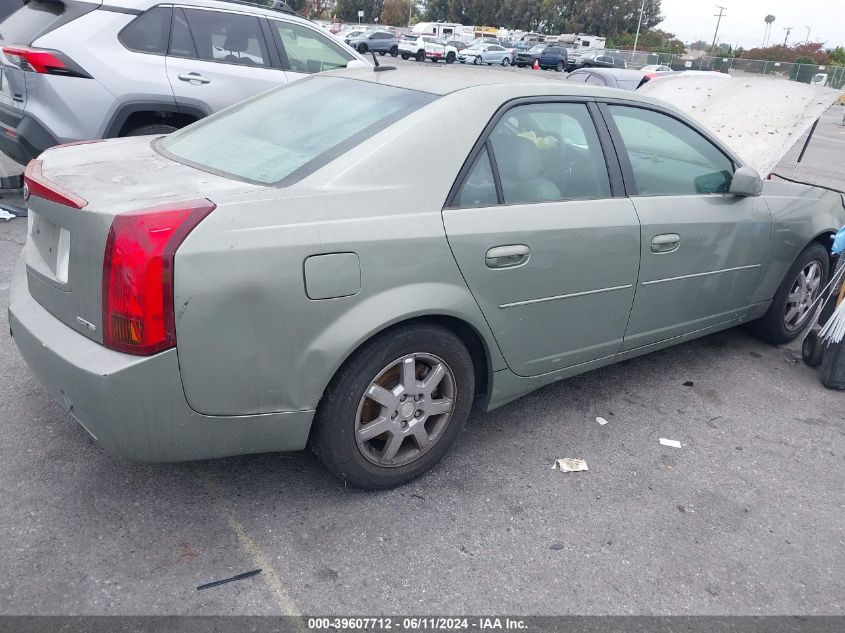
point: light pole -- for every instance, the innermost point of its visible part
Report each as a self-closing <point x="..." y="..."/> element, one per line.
<point x="410" y="12"/>
<point x="639" y="24"/>
<point x="807" y="41"/>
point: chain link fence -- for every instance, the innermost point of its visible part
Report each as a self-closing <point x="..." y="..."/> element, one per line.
<point x="830" y="76"/>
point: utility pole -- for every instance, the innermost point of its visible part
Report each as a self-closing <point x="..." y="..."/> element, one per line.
<point x="807" y="41"/>
<point x="410" y="12"/>
<point x="718" y="22"/>
<point x="788" y="30"/>
<point x="639" y="24"/>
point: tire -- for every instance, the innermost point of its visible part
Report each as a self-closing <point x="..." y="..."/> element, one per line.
<point x="559" y="67"/>
<point x="506" y="62"/>
<point x="476" y="61"/>
<point x="381" y="53"/>
<point x="405" y="55"/>
<point x="812" y="351"/>
<point x="773" y="326"/>
<point x="420" y="56"/>
<point x="362" y="48"/>
<point x="344" y="406"/>
<point x="394" y="51"/>
<point x="153" y="128"/>
<point x="450" y="57"/>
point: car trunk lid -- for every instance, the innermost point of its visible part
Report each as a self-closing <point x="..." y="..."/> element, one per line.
<point x="74" y="195"/>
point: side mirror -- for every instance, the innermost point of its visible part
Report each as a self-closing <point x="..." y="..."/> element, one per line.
<point x="746" y="182"/>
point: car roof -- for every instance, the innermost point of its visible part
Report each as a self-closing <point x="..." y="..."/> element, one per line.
<point x="442" y="80"/>
<point x="618" y="73"/>
<point x="242" y="6"/>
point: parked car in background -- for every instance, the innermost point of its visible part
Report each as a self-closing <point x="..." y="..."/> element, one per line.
<point x="74" y="70"/>
<point x="656" y="68"/>
<point x="620" y="78"/>
<point x="422" y="47"/>
<point x="553" y="56"/>
<point x="595" y="59"/>
<point x="528" y="57"/>
<point x="236" y="287"/>
<point x="383" y="42"/>
<point x="486" y="54"/>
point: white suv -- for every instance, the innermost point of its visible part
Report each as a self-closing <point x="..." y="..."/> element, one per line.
<point x="422" y="47"/>
<point x="73" y="70"/>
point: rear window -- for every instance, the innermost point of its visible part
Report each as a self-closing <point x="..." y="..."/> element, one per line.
<point x="30" y="21"/>
<point x="281" y="136"/>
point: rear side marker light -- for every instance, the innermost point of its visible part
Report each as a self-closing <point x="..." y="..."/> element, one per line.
<point x="138" y="315"/>
<point x="36" y="184"/>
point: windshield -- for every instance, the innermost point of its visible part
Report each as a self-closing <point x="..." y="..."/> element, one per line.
<point x="537" y="49"/>
<point x="285" y="134"/>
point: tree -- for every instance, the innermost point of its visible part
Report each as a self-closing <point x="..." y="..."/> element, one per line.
<point x="814" y="52"/>
<point x="837" y="56"/>
<point x="654" y="40"/>
<point x="347" y="10"/>
<point x="395" y="12"/>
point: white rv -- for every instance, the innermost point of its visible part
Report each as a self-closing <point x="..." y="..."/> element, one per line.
<point x="580" y="43"/>
<point x="444" y="30"/>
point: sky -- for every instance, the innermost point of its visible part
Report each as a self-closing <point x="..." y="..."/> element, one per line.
<point x="743" y="24"/>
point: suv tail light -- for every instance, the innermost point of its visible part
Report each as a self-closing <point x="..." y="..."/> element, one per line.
<point x="39" y="60"/>
<point x="138" y="316"/>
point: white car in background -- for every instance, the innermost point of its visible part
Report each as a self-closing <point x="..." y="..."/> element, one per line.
<point x="656" y="68"/>
<point x="422" y="47"/>
<point x="486" y="54"/>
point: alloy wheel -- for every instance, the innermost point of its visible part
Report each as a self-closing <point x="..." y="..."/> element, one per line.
<point x="405" y="410"/>
<point x="805" y="290"/>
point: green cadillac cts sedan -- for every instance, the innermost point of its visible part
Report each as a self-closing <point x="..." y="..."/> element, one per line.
<point x="280" y="275"/>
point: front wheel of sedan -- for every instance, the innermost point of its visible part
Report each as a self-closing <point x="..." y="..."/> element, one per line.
<point x="362" y="48"/>
<point x="395" y="407"/>
<point x="477" y="61"/>
<point x="506" y="62"/>
<point x="795" y="300"/>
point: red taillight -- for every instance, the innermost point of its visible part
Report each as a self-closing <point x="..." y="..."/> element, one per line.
<point x="138" y="315"/>
<point x="34" y="59"/>
<point x="35" y="184"/>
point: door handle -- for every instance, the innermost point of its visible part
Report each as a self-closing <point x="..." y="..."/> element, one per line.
<point x="194" y="77"/>
<point x="665" y="243"/>
<point x="507" y="256"/>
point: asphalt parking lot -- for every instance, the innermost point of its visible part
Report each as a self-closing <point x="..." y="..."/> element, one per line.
<point x="747" y="517"/>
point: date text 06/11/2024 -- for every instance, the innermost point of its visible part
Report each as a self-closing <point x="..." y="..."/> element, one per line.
<point x="418" y="623"/>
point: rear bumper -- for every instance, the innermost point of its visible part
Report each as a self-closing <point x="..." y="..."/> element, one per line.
<point x="135" y="407"/>
<point x="22" y="138"/>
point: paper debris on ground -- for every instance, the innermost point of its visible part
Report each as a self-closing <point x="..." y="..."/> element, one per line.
<point x="601" y="421"/>
<point x="570" y="465"/>
<point x="672" y="443"/>
<point x="5" y="215"/>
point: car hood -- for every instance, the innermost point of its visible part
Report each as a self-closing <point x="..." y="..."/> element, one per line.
<point x="760" y="118"/>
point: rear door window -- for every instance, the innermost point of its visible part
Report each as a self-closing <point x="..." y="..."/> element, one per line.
<point x="149" y="32"/>
<point x="230" y="38"/>
<point x="305" y="50"/>
<point x="30" y="21"/>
